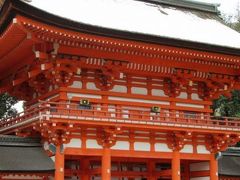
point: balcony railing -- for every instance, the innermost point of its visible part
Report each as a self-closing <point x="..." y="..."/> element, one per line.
<point x="118" y="114"/>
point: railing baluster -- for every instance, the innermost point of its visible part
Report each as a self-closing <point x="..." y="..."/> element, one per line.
<point x="118" y="112"/>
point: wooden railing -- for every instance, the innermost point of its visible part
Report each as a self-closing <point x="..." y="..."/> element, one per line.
<point x="119" y="114"/>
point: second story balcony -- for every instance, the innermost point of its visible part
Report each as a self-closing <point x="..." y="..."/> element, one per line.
<point x="113" y="115"/>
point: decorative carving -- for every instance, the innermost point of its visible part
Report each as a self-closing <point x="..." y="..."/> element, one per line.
<point x="107" y="136"/>
<point x="55" y="133"/>
<point x="171" y="87"/>
<point x="177" y="140"/>
<point x="22" y="91"/>
<point x="215" y="86"/>
<point x="108" y="73"/>
<point x="62" y="72"/>
<point x="40" y="83"/>
<point x="219" y="142"/>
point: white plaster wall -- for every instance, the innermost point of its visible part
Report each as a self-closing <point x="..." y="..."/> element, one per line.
<point x="91" y="143"/>
<point x="190" y="105"/>
<point x="119" y="88"/>
<point x="141" y="146"/>
<point x="201" y="149"/>
<point x="92" y="86"/>
<point x="201" y="166"/>
<point x="158" y="92"/>
<point x="138" y="100"/>
<point x="194" y="96"/>
<point x="70" y="95"/>
<point x="121" y="145"/>
<point x="162" y="147"/>
<point x="74" y="143"/>
<point x="139" y="90"/>
<point x="187" y="149"/>
<point x="76" y="84"/>
<point x="182" y="95"/>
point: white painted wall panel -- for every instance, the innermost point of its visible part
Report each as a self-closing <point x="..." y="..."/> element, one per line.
<point x="139" y="90"/>
<point x="201" y="149"/>
<point x="75" y="143"/>
<point x="190" y="105"/>
<point x="195" y="96"/>
<point x="158" y="92"/>
<point x="138" y="100"/>
<point x="91" y="143"/>
<point x="70" y="95"/>
<point x="141" y="146"/>
<point x="121" y="145"/>
<point x="118" y="88"/>
<point x="92" y="86"/>
<point x="183" y="95"/>
<point x="76" y="84"/>
<point x="187" y="149"/>
<point x="162" y="147"/>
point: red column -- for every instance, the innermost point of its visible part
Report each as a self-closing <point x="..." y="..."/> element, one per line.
<point x="85" y="168"/>
<point x="59" y="164"/>
<point x="151" y="170"/>
<point x="106" y="163"/>
<point x="176" y="165"/>
<point x="213" y="167"/>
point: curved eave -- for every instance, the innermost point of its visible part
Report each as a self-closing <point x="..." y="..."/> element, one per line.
<point x="13" y="7"/>
<point x="15" y="43"/>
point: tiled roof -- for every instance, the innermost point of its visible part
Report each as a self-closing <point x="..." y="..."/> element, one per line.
<point x="171" y="19"/>
<point x="229" y="162"/>
<point x="7" y="140"/>
<point x="23" y="155"/>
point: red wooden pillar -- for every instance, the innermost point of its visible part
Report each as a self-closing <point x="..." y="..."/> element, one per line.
<point x="59" y="164"/>
<point x="85" y="169"/>
<point x="151" y="170"/>
<point x="176" y="165"/>
<point x="213" y="167"/>
<point x="106" y="163"/>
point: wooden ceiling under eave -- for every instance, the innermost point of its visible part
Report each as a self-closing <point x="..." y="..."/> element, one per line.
<point x="15" y="49"/>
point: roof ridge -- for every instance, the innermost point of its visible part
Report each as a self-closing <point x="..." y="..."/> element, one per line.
<point x="190" y="4"/>
<point x="9" y="140"/>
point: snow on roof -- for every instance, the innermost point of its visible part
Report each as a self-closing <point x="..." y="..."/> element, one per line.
<point x="145" y="18"/>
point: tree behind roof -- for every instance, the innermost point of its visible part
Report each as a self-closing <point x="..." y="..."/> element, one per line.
<point x="6" y="106"/>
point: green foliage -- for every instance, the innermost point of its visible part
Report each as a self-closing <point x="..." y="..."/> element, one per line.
<point x="237" y="26"/>
<point x="228" y="107"/>
<point x="6" y="103"/>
